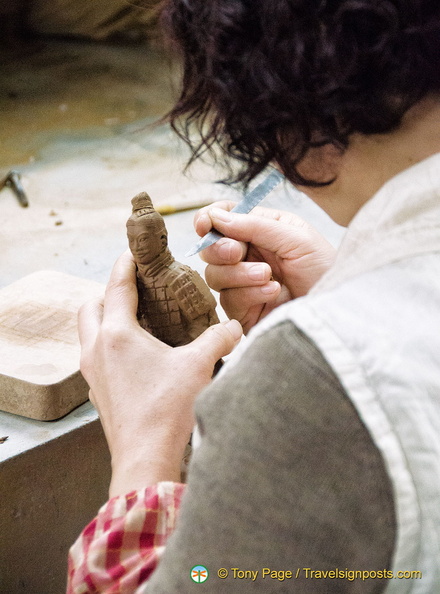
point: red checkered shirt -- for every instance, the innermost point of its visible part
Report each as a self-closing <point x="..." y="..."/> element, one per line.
<point x="117" y="552"/>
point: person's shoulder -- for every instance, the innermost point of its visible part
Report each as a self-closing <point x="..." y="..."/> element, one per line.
<point x="289" y="354"/>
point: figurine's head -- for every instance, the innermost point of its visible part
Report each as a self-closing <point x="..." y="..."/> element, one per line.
<point x="146" y="231"/>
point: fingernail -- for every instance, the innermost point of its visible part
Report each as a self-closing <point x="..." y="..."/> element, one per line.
<point x="204" y="220"/>
<point x="221" y="215"/>
<point x="234" y="328"/>
<point x="224" y="249"/>
<point x="270" y="288"/>
<point x="257" y="272"/>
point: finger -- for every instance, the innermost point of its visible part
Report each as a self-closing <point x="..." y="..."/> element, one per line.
<point x="89" y="321"/>
<point x="237" y="302"/>
<point x="224" y="251"/>
<point x="121" y="296"/>
<point x="243" y="274"/>
<point x="265" y="232"/>
<point x="202" y="221"/>
<point x="92" y="398"/>
<point x="218" y="340"/>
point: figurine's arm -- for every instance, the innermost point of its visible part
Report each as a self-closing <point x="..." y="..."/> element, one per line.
<point x="192" y="295"/>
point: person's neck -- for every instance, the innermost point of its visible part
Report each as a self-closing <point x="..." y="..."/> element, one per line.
<point x="370" y="161"/>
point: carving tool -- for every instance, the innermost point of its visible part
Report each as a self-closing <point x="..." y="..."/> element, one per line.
<point x="250" y="200"/>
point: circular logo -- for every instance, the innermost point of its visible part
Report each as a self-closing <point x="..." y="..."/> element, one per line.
<point x="199" y="574"/>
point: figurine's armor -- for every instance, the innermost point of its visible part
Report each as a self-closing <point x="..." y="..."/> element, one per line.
<point x="174" y="304"/>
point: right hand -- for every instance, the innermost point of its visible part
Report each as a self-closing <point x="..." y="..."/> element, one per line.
<point x="266" y="258"/>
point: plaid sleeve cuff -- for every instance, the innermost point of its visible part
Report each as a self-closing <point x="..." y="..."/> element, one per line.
<point x="120" y="548"/>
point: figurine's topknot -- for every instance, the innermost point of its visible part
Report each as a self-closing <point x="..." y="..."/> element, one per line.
<point x="142" y="204"/>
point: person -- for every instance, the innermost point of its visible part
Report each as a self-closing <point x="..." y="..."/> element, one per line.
<point x="317" y="467"/>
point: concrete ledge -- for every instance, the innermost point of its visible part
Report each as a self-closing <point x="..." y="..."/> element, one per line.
<point x="49" y="492"/>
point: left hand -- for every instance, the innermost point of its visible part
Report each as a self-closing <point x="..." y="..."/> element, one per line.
<point x="143" y="389"/>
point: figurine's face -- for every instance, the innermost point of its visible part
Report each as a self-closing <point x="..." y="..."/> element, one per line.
<point x="146" y="240"/>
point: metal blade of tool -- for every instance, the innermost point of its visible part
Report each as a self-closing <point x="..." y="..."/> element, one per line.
<point x="245" y="205"/>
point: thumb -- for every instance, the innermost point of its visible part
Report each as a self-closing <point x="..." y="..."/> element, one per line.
<point x="218" y="341"/>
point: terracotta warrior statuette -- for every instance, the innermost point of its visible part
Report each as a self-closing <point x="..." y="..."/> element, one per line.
<point x="175" y="304"/>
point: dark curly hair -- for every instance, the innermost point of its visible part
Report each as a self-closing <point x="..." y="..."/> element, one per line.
<point x="267" y="80"/>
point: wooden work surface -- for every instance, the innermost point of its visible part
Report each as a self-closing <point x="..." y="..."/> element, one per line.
<point x="39" y="346"/>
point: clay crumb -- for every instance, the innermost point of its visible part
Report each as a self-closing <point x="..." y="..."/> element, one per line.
<point x="3" y="439"/>
<point x="52" y="213"/>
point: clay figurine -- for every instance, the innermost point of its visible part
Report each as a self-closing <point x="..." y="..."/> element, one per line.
<point x="175" y="303"/>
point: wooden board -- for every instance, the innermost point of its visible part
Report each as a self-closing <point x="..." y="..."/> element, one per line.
<point x="39" y="346"/>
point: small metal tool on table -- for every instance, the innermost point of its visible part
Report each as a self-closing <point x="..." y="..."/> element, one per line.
<point x="250" y="200"/>
<point x="13" y="181"/>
